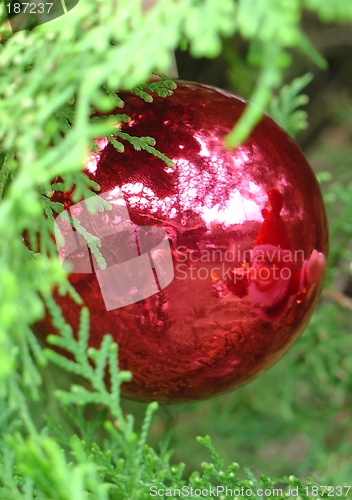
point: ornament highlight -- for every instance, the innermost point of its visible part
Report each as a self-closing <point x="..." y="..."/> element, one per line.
<point x="213" y="267"/>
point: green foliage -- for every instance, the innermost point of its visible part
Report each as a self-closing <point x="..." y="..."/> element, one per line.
<point x="283" y="107"/>
<point x="55" y="465"/>
<point x="338" y="11"/>
<point x="52" y="79"/>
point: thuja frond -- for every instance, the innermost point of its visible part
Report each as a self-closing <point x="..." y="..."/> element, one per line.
<point x="90" y="363"/>
<point x="283" y="108"/>
<point x="30" y="353"/>
<point x="41" y="459"/>
<point x="142" y="94"/>
<point x="79" y="182"/>
<point x="163" y="88"/>
<point x="206" y="441"/>
<point x="5" y="174"/>
<point x="137" y="465"/>
<point x="106" y="124"/>
<point x="93" y="242"/>
<point x="94" y="366"/>
<point x="269" y="78"/>
<point x="120" y="148"/>
<point x="146" y="143"/>
<point x="106" y="101"/>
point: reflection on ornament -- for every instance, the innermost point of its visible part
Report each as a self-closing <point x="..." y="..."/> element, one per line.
<point x="247" y="238"/>
<point x="277" y="277"/>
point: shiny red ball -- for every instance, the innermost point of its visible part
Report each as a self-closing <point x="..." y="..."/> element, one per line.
<point x="231" y="273"/>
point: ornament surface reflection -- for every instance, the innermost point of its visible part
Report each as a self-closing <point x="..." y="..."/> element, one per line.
<point x="248" y="237"/>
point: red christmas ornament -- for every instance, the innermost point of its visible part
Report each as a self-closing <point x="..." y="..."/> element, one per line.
<point x="213" y="266"/>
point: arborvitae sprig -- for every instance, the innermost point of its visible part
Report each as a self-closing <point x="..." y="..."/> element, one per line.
<point x="144" y="143"/>
<point x="162" y="88"/>
<point x="283" y="108"/>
